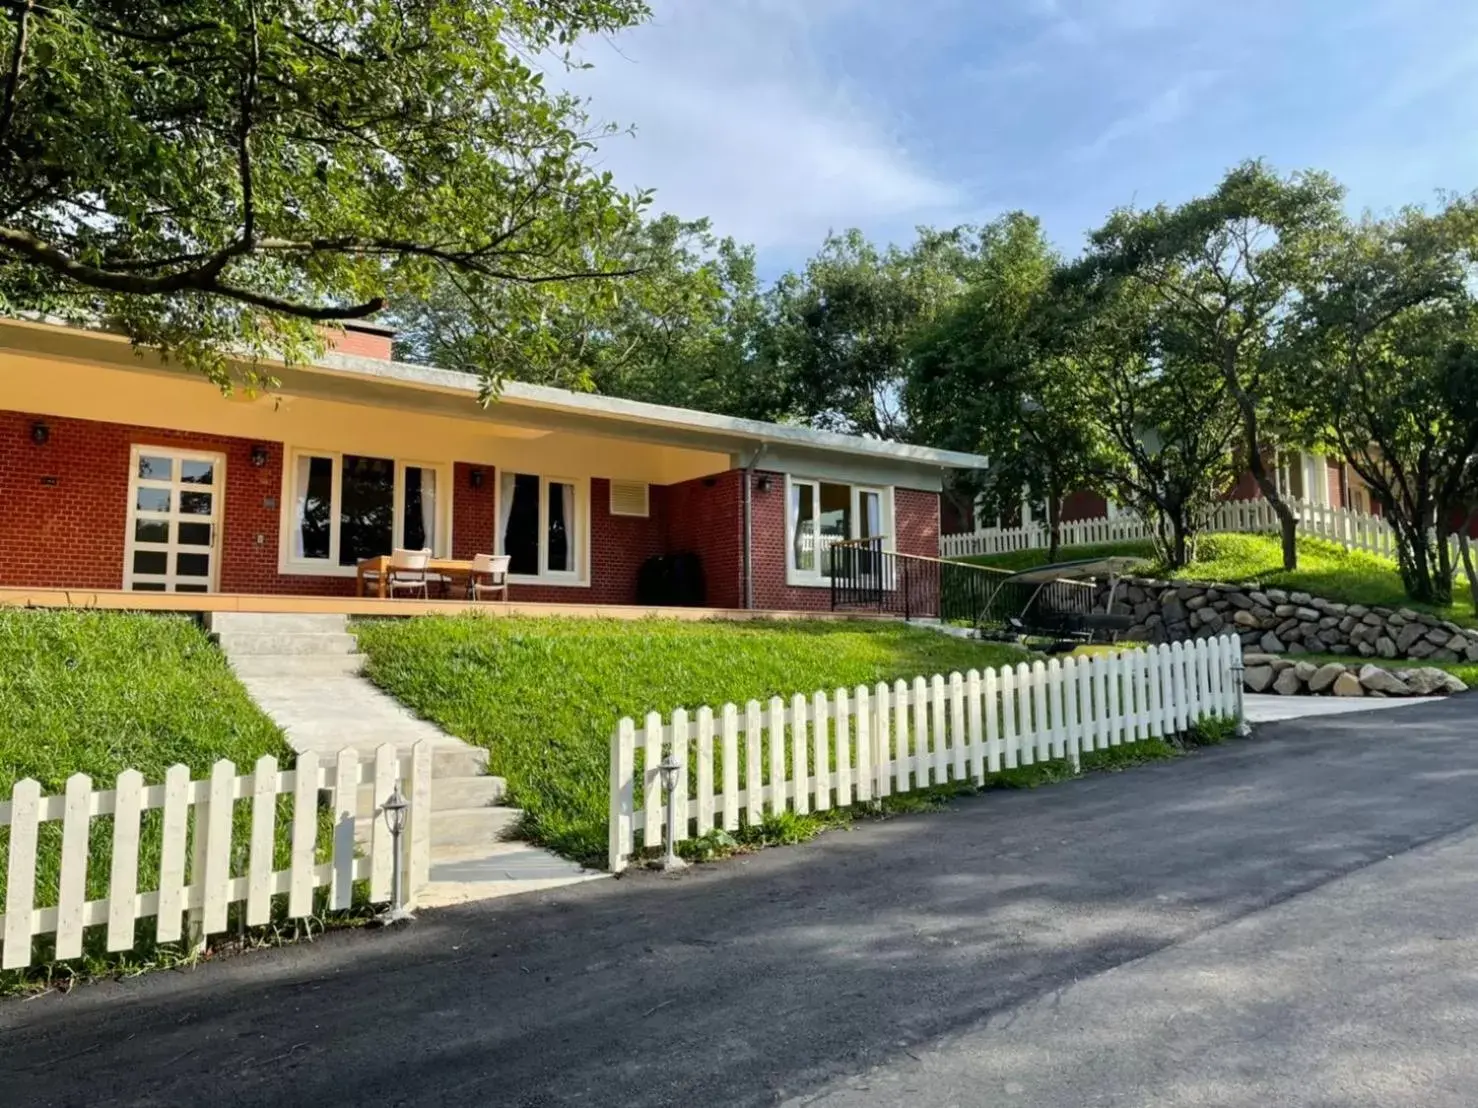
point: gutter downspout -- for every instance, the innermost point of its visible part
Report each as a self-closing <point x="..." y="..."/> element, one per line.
<point x="748" y="548"/>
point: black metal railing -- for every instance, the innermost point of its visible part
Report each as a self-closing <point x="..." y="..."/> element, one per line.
<point x="1037" y="607"/>
<point x="866" y="577"/>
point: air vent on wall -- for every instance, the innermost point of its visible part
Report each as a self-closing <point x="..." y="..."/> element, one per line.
<point x="630" y="498"/>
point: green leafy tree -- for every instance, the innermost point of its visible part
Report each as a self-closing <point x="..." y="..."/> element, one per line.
<point x="990" y="376"/>
<point x="842" y="331"/>
<point x="1224" y="273"/>
<point x="1165" y="423"/>
<point x="688" y="327"/>
<point x="212" y="175"/>
<point x="1391" y="354"/>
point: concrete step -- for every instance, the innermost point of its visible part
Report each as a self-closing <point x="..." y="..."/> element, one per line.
<point x="236" y="643"/>
<point x="459" y="762"/>
<point x="504" y="869"/>
<point x="297" y="665"/>
<point x="455" y="831"/>
<point x="447" y="762"/>
<point x="466" y="826"/>
<point x="279" y="623"/>
<point x="450" y="793"/>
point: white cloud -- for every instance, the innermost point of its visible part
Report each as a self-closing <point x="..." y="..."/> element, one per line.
<point x="738" y="119"/>
<point x="1170" y="105"/>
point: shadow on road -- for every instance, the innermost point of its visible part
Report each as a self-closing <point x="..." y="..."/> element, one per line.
<point x="752" y="980"/>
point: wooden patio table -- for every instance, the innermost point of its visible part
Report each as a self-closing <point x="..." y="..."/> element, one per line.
<point x="457" y="569"/>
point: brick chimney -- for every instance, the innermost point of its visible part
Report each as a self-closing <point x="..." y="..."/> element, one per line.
<point x="362" y="339"/>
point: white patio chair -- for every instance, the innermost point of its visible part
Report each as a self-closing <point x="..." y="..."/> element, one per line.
<point x="409" y="573"/>
<point x="489" y="576"/>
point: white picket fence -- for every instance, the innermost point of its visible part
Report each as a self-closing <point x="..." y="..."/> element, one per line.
<point x="190" y="900"/>
<point x="836" y="749"/>
<point x="1353" y="530"/>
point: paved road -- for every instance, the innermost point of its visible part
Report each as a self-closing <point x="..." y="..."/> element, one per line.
<point x="829" y="970"/>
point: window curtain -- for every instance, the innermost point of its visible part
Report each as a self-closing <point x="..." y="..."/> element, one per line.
<point x="567" y="502"/>
<point x="803" y="527"/>
<point x="428" y="507"/>
<point x="300" y="509"/>
<point x="505" y="509"/>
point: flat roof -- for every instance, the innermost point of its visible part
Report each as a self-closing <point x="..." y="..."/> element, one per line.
<point x="519" y="395"/>
<point x="379" y="380"/>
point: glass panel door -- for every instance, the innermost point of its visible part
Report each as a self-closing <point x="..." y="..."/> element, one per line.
<point x="174" y="520"/>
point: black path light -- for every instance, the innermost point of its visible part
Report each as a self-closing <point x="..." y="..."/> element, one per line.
<point x="671" y="770"/>
<point x="395" y="808"/>
<point x="1238" y="681"/>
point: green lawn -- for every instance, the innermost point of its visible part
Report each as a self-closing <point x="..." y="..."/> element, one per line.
<point x="1324" y="569"/>
<point x="100" y="692"/>
<point x="544" y="695"/>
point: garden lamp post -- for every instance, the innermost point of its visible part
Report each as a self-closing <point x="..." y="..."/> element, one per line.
<point x="1238" y="671"/>
<point x="671" y="769"/>
<point x="394" y="808"/>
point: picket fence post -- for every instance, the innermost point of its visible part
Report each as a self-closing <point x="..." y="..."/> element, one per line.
<point x="623" y="794"/>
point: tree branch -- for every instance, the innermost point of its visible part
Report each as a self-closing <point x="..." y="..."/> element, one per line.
<point x="166" y="39"/>
<point x="203" y="279"/>
<point x="13" y="77"/>
<point x="243" y="135"/>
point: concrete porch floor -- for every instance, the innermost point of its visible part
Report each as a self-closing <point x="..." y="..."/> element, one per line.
<point x="121" y="599"/>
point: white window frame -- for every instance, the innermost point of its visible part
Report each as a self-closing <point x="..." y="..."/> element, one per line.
<point x="815" y="578"/>
<point x="319" y="567"/>
<point x="580" y="578"/>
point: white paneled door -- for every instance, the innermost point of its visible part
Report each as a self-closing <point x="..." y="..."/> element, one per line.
<point x="174" y="520"/>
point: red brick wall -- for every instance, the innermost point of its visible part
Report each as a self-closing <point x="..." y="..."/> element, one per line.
<point x="954" y="519"/>
<point x="916" y="521"/>
<point x="1083" y="505"/>
<point x="64" y="506"/>
<point x="1336" y="491"/>
<point x="474" y="510"/>
<point x="365" y="344"/>
<point x="706" y="517"/>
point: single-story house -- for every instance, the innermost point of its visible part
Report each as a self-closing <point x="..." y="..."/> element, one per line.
<point x="118" y="471"/>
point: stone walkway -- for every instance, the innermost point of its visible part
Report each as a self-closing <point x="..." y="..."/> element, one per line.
<point x="303" y="671"/>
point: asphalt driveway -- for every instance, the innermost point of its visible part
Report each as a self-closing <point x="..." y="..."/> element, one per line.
<point x="790" y="974"/>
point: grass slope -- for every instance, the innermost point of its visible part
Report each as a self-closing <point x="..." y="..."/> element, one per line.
<point x="1324" y="569"/>
<point x="100" y="692"/>
<point x="544" y="695"/>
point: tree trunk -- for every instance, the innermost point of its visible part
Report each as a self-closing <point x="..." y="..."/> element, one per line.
<point x="1465" y="548"/>
<point x="1287" y="521"/>
<point x="1180" y="541"/>
<point x="1414" y="559"/>
<point x="1054" y="525"/>
<point x="1442" y="579"/>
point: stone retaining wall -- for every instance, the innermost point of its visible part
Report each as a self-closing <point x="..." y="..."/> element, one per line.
<point x="1269" y="673"/>
<point x="1274" y="621"/>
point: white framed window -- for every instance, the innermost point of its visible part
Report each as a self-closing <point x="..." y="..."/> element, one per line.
<point x="339" y="508"/>
<point x="819" y="514"/>
<point x="544" y="527"/>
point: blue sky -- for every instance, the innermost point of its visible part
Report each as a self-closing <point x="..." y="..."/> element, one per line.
<point x="781" y="119"/>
